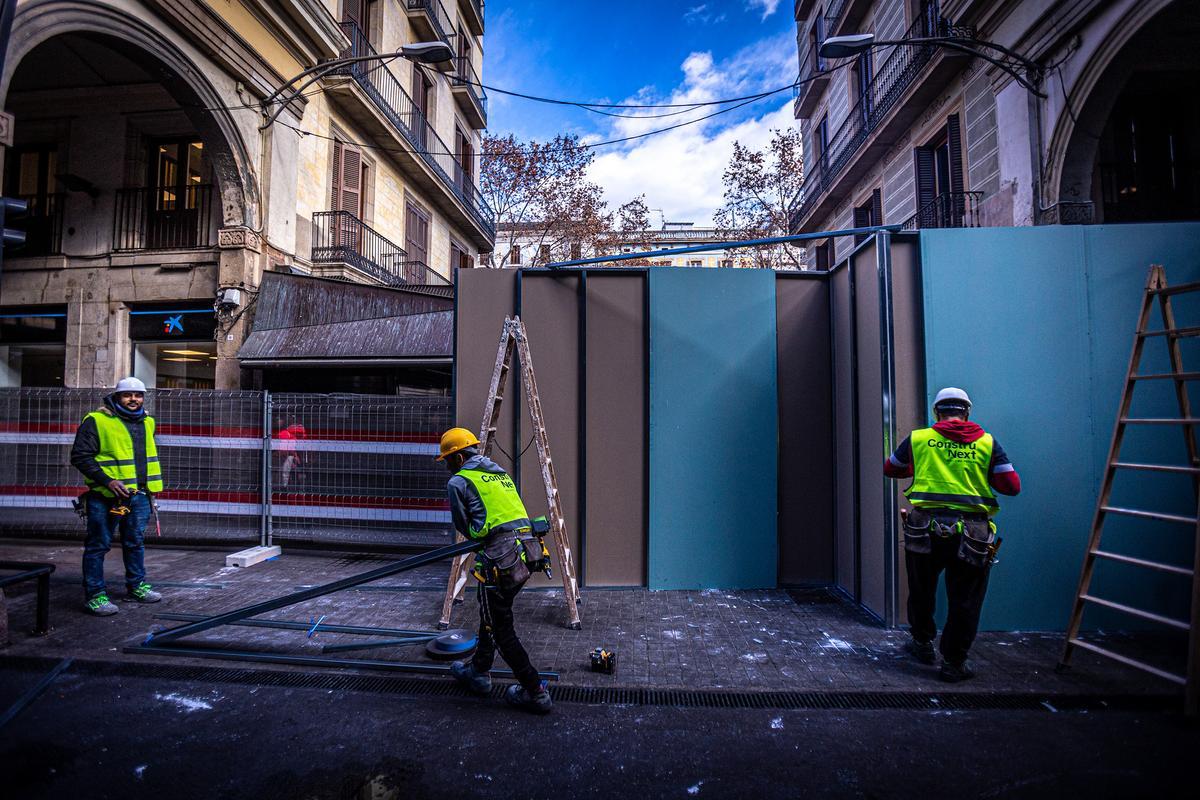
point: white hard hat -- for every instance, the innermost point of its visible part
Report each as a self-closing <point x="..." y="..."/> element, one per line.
<point x="130" y="385"/>
<point x="952" y="396"/>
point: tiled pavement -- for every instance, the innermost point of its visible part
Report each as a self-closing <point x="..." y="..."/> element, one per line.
<point x="810" y="640"/>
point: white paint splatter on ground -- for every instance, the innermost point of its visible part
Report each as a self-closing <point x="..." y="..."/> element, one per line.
<point x="831" y="643"/>
<point x="777" y="724"/>
<point x="709" y="592"/>
<point x="138" y="770"/>
<point x="185" y="703"/>
<point x="676" y="616"/>
<point x="672" y="634"/>
<point x="480" y="776"/>
<point x="756" y="658"/>
<point x="695" y="789"/>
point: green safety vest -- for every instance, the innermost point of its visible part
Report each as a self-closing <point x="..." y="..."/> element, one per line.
<point x="950" y="474"/>
<point x="116" y="456"/>
<point x="499" y="496"/>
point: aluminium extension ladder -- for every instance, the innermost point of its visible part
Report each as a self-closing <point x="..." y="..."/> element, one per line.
<point x="513" y="338"/>
<point x="1156" y="287"/>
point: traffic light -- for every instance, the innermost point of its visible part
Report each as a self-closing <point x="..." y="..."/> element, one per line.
<point x="12" y="207"/>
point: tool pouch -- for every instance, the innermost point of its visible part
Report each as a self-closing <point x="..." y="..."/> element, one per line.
<point x="535" y="554"/>
<point x="975" y="546"/>
<point x="503" y="565"/>
<point x="917" y="525"/>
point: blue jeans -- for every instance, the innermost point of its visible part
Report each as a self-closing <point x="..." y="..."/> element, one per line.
<point x="101" y="525"/>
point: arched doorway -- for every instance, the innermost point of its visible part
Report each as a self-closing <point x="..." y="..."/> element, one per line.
<point x="1133" y="149"/>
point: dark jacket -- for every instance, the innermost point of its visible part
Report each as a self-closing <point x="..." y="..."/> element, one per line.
<point x="87" y="445"/>
<point x="468" y="512"/>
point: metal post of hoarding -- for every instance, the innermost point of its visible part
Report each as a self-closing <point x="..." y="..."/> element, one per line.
<point x="265" y="521"/>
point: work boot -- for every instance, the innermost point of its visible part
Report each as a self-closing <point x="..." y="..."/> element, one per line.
<point x="539" y="703"/>
<point x="474" y="682"/>
<point x="922" y="651"/>
<point x="142" y="593"/>
<point x="954" y="673"/>
<point x="101" y="606"/>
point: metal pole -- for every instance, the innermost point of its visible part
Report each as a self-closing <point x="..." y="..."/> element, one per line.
<point x="178" y="632"/>
<point x="264" y="534"/>
<point x="42" y="626"/>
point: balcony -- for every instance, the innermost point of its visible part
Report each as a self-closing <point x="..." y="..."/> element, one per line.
<point x="345" y="247"/>
<point x="468" y="93"/>
<point x="376" y="99"/>
<point x="801" y="8"/>
<point x="472" y="14"/>
<point x="431" y="22"/>
<point x="164" y="218"/>
<point x="947" y="210"/>
<point x="43" y="224"/>
<point x="810" y="84"/>
<point x="902" y="88"/>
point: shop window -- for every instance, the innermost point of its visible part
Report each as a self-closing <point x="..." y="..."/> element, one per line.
<point x="173" y="346"/>
<point x="33" y="347"/>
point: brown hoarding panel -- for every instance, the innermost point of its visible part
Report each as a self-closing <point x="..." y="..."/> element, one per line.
<point x="485" y="297"/>
<point x="806" y="480"/>
<point x="909" y="336"/>
<point x="615" y="543"/>
<point x="550" y="310"/>
<point x="872" y="548"/>
<point x="846" y="549"/>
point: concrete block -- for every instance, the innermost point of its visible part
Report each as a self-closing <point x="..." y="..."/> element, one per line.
<point x="252" y="556"/>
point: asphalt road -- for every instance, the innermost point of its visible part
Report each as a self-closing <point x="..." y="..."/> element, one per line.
<point x="125" y="738"/>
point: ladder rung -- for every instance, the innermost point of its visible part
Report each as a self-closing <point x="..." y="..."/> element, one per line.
<point x="1136" y="612"/>
<point x="1182" y="288"/>
<point x="1141" y="562"/>
<point x="1174" y="332"/>
<point x="1170" y="676"/>
<point x="1166" y="376"/>
<point x="1156" y="467"/>
<point x="1133" y="512"/>
<point x="1160" y="420"/>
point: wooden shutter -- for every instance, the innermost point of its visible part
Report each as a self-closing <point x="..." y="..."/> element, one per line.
<point x="347" y="179"/>
<point x="954" y="136"/>
<point x="416" y="234"/>
<point x="352" y="11"/>
<point x="923" y="159"/>
<point x="876" y="207"/>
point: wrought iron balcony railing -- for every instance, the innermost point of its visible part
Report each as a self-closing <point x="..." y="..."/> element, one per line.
<point x="340" y="237"/>
<point x="1068" y="212"/>
<point x="947" y="210"/>
<point x="439" y="19"/>
<point x="467" y="81"/>
<point x="390" y="97"/>
<point x="890" y="83"/>
<point x="164" y="218"/>
<point x="43" y="224"/>
<point x="418" y="273"/>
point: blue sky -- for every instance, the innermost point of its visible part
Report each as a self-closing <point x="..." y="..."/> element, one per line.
<point x="651" y="51"/>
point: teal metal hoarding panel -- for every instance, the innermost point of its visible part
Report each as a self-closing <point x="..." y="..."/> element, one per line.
<point x="713" y="429"/>
<point x="1036" y="324"/>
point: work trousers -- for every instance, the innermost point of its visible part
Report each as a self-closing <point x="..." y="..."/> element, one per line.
<point x="101" y="525"/>
<point x="496" y="631"/>
<point x="965" y="588"/>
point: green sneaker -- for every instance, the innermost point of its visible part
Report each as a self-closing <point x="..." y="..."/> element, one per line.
<point x="101" y="606"/>
<point x="142" y="593"/>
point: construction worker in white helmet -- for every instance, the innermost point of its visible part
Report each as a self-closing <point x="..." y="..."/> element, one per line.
<point x="956" y="469"/>
<point x="116" y="452"/>
<point x="484" y="504"/>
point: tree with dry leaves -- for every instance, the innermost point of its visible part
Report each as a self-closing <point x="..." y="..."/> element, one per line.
<point x="759" y="185"/>
<point x="542" y="198"/>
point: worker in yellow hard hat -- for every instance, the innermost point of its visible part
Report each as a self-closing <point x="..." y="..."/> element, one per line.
<point x="484" y="504"/>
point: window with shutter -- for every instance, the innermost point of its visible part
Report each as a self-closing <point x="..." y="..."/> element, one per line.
<point x="926" y="182"/>
<point x="416" y="233"/>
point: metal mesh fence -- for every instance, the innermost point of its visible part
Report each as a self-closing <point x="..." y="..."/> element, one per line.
<point x="344" y="470"/>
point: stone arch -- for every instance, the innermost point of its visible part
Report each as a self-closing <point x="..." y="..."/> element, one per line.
<point x="42" y="20"/>
<point x="1073" y="145"/>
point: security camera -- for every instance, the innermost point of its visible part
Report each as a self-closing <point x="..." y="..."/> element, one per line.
<point x="228" y="298"/>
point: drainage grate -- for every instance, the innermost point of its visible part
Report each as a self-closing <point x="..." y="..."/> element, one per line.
<point x="603" y="695"/>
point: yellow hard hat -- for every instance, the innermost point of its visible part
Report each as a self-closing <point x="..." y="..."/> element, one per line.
<point x="456" y="439"/>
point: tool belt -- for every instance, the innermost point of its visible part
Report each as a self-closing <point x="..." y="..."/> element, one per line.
<point x="510" y="562"/>
<point x="977" y="533"/>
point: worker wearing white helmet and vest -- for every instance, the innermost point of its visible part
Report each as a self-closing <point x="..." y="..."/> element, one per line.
<point x="115" y="450"/>
<point x="484" y="504"/>
<point x="957" y="468"/>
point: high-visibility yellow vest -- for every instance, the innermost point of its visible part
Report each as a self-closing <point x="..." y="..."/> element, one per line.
<point x="500" y="499"/>
<point x="116" y="456"/>
<point x="950" y="474"/>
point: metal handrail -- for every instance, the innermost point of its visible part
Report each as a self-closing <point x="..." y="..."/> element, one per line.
<point x="439" y="18"/>
<point x="465" y="75"/>
<point x="164" y="218"/>
<point x="43" y="223"/>
<point x="947" y="210"/>
<point x="390" y="97"/>
<point x="888" y="86"/>
<point x="418" y="273"/>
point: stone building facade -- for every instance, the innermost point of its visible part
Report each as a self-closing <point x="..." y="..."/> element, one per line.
<point x="159" y="195"/>
<point x="928" y="136"/>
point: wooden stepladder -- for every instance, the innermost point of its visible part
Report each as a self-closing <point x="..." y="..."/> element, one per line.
<point x="1156" y="288"/>
<point x="513" y="341"/>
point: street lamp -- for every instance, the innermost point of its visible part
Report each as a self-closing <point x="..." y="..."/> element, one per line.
<point x="853" y="44"/>
<point x="423" y="52"/>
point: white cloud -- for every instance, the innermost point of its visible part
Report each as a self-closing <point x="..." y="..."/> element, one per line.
<point x="680" y="171"/>
<point x="768" y="6"/>
<point x="704" y="15"/>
